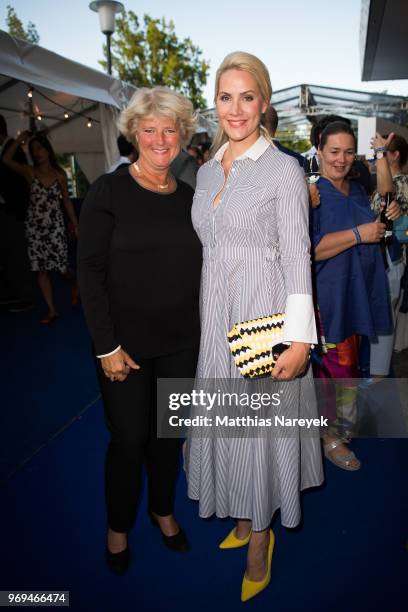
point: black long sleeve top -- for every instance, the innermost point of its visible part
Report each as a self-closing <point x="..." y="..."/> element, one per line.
<point x="139" y="264"/>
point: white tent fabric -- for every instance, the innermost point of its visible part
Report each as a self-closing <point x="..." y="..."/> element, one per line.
<point x="33" y="64"/>
<point x="61" y="84"/>
<point x="91" y="164"/>
<point x="109" y="117"/>
<point x="207" y="125"/>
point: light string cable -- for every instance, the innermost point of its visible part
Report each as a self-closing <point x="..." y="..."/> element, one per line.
<point x="68" y="111"/>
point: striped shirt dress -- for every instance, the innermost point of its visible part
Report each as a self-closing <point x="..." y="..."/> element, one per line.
<point x="256" y="262"/>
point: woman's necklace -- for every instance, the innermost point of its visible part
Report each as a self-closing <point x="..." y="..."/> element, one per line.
<point x="146" y="178"/>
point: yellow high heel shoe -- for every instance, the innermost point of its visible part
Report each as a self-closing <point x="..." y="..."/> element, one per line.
<point x="250" y="588"/>
<point x="231" y="541"/>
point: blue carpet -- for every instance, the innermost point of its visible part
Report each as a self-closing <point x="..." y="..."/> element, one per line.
<point x="48" y="377"/>
<point x="348" y="555"/>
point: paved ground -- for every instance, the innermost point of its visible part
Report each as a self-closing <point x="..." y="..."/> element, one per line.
<point x="400" y="363"/>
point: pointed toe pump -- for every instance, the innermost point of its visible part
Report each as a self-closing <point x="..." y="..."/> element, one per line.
<point x="231" y="541"/>
<point x="250" y="588"/>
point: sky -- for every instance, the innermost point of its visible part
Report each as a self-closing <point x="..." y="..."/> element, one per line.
<point x="313" y="42"/>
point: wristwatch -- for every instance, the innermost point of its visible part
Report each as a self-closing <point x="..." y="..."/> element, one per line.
<point x="380" y="152"/>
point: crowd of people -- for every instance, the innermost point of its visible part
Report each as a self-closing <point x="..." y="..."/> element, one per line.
<point x="178" y="243"/>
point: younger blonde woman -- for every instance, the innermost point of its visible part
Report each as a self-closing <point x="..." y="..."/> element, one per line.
<point x="251" y="212"/>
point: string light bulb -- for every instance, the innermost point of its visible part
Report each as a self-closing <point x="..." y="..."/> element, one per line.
<point x="66" y="115"/>
<point x="89" y="124"/>
<point x="30" y="92"/>
<point x="39" y="118"/>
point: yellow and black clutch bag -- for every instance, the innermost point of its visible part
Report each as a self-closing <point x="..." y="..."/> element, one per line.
<point x="257" y="344"/>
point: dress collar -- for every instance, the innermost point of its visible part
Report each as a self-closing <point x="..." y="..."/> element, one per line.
<point x="254" y="152"/>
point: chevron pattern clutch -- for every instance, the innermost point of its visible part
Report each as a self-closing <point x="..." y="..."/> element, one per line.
<point x="257" y="344"/>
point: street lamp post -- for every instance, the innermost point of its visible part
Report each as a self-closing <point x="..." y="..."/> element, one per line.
<point x="107" y="10"/>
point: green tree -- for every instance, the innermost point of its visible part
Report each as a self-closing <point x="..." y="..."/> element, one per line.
<point x="15" y="27"/>
<point x="151" y="54"/>
<point x="290" y="138"/>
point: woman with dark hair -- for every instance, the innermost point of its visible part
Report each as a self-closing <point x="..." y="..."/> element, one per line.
<point x="45" y="229"/>
<point x="358" y="170"/>
<point x="350" y="280"/>
<point x="196" y="153"/>
<point x="205" y="150"/>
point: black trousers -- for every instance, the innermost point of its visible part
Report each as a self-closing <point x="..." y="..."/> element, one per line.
<point x="131" y="417"/>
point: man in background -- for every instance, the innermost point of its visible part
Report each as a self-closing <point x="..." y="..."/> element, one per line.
<point x="185" y="168"/>
<point x="127" y="152"/>
<point x="271" y="121"/>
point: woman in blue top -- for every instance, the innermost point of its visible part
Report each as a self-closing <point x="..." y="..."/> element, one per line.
<point x="350" y="280"/>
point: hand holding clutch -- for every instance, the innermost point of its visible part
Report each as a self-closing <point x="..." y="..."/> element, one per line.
<point x="292" y="362"/>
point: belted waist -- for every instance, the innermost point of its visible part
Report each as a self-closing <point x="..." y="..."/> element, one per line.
<point x="231" y="252"/>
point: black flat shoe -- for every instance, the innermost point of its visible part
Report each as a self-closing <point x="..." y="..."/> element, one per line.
<point x="118" y="562"/>
<point x="177" y="542"/>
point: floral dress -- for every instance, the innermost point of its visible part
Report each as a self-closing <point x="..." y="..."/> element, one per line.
<point x="45" y="228"/>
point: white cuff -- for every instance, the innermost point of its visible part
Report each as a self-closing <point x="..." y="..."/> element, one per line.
<point x="111" y="353"/>
<point x="300" y="325"/>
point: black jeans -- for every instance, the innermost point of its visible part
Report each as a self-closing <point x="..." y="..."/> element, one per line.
<point x="131" y="417"/>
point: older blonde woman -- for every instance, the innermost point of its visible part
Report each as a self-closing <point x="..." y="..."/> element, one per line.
<point x="139" y="270"/>
<point x="251" y="213"/>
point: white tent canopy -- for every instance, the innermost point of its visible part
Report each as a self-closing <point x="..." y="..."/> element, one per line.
<point x="62" y="86"/>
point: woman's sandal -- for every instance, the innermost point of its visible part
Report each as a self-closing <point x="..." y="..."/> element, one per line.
<point x="346" y="461"/>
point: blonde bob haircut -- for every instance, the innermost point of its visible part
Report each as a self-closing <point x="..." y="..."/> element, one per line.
<point x="240" y="60"/>
<point x="158" y="102"/>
